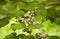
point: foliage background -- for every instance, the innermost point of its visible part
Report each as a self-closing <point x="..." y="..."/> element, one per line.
<point x="45" y="17"/>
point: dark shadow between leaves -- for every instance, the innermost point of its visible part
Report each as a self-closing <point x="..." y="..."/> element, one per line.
<point x="12" y="36"/>
<point x="3" y="22"/>
<point x="53" y="37"/>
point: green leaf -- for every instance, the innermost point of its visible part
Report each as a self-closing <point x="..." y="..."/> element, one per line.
<point x="53" y="37"/>
<point x="18" y="26"/>
<point x="40" y="0"/>
<point x="51" y="11"/>
<point x="19" y="13"/>
<point x="29" y="7"/>
<point x="12" y="36"/>
<point x="4" y="31"/>
<point x="50" y="28"/>
<point x="39" y="18"/>
<point x="57" y="20"/>
<point x="58" y="13"/>
<point x="28" y="37"/>
<point x="34" y="26"/>
<point x="19" y="5"/>
<point x="3" y="22"/>
<point x="2" y="12"/>
<point x="41" y="13"/>
<point x="52" y="1"/>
